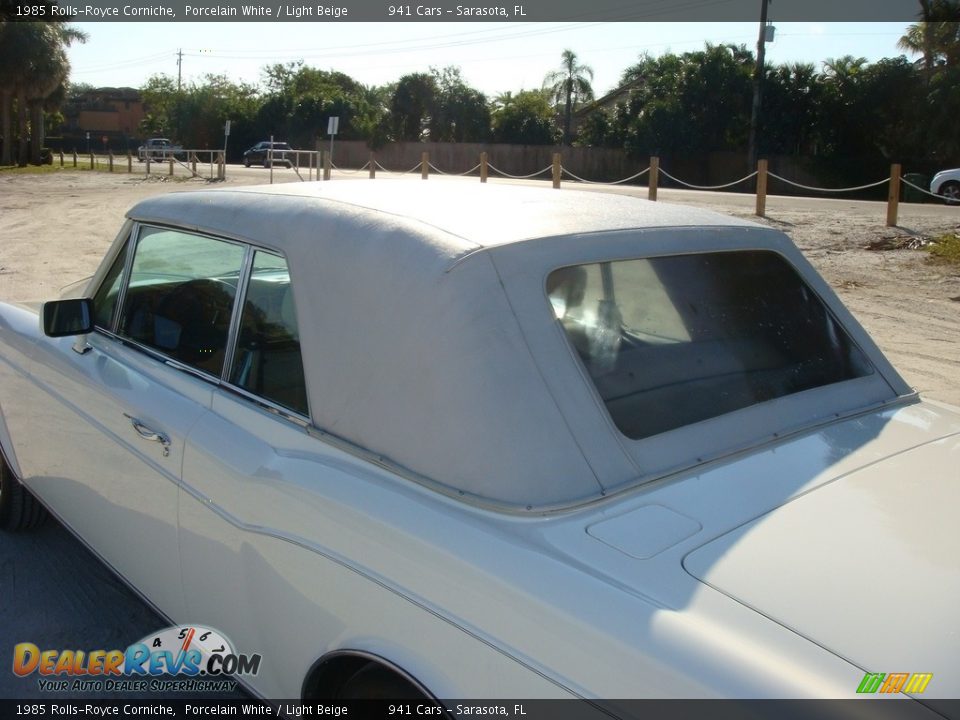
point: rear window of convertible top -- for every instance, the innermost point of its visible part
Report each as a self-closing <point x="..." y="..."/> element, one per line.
<point x="670" y="341"/>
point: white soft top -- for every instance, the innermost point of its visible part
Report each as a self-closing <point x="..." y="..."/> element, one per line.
<point x="414" y="347"/>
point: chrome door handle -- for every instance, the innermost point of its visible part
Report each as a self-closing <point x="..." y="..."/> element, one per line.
<point x="150" y="434"/>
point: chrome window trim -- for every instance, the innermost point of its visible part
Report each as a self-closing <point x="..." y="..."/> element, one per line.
<point x="137" y="235"/>
<point x="234" y="337"/>
<point x="243" y="283"/>
<point x="222" y="380"/>
<point x="268" y="405"/>
<point x="273" y="408"/>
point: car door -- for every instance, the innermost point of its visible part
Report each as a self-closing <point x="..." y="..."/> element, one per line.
<point x="246" y="465"/>
<point x="110" y="412"/>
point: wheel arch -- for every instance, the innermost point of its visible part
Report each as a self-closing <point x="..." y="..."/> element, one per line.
<point x="335" y="668"/>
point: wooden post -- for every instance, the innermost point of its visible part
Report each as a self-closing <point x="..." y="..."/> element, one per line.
<point x="193" y="162"/>
<point x="129" y="162"/>
<point x="171" y="167"/>
<point x="761" y="210"/>
<point x="654" y="182"/>
<point x="110" y="160"/>
<point x="327" y="164"/>
<point x="893" y="195"/>
<point x="557" y="170"/>
<point x="61" y="158"/>
<point x="483" y="167"/>
<point x="373" y="165"/>
<point x="74" y="158"/>
<point x="424" y="165"/>
<point x="148" y="164"/>
<point x="91" y="161"/>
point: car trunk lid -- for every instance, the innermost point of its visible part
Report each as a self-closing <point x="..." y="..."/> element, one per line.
<point x="866" y="565"/>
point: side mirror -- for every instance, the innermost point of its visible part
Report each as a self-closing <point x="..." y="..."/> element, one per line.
<point x="61" y="318"/>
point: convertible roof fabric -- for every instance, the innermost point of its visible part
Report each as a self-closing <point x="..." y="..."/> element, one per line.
<point x="412" y="349"/>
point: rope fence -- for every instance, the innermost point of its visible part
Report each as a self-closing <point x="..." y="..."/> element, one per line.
<point x="924" y="190"/>
<point x="878" y="183"/>
<point x="710" y="187"/>
<point x="186" y="159"/>
<point x="519" y="177"/>
<point x="635" y="176"/>
<point x="323" y="159"/>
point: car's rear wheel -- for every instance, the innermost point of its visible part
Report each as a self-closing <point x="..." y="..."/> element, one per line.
<point x="246" y="162"/>
<point x="951" y="191"/>
<point x="19" y="510"/>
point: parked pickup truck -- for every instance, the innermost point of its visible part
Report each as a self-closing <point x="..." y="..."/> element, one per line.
<point x="158" y="149"/>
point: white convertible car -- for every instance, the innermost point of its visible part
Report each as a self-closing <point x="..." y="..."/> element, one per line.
<point x="460" y="441"/>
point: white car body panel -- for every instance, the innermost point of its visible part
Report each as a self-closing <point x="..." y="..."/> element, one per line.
<point x="458" y="503"/>
<point x="888" y="521"/>
<point x="944" y="176"/>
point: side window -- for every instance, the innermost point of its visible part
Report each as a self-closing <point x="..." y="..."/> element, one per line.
<point x="267" y="361"/>
<point x="105" y="301"/>
<point x="180" y="294"/>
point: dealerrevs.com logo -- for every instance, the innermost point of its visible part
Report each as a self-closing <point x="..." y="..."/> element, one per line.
<point x="178" y="658"/>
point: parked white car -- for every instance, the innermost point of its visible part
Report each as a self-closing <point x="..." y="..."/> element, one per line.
<point x="430" y="439"/>
<point x="947" y="183"/>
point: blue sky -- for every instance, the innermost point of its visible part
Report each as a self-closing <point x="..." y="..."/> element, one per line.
<point x="494" y="57"/>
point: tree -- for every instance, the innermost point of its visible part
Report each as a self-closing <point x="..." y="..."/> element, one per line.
<point x="33" y="68"/>
<point x="411" y="106"/>
<point x="300" y="100"/>
<point x="459" y="113"/>
<point x="697" y="102"/>
<point x="937" y="37"/>
<point x="569" y="85"/>
<point x="159" y="95"/>
<point x="791" y="119"/>
<point x="524" y="119"/>
<point x="937" y="40"/>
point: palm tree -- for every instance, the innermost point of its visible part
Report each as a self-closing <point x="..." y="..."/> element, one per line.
<point x="569" y="85"/>
<point x="50" y="73"/>
<point x="33" y="67"/>
<point x="936" y="42"/>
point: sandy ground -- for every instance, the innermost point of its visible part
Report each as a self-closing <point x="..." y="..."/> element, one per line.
<point x="55" y="228"/>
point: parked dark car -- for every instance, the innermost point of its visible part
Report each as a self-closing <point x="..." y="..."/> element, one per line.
<point x="260" y="154"/>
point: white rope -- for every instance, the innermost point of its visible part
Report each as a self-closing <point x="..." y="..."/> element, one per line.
<point x="413" y="169"/>
<point x="708" y="187"/>
<point x="598" y="182"/>
<point x="520" y="177"/>
<point x="441" y="172"/>
<point x="926" y="192"/>
<point x="350" y="172"/>
<point x="830" y="190"/>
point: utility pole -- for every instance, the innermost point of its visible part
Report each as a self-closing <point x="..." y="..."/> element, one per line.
<point x="176" y="138"/>
<point x="757" y="88"/>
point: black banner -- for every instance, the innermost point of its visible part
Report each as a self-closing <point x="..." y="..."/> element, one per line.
<point x="459" y="11"/>
<point x="894" y="708"/>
